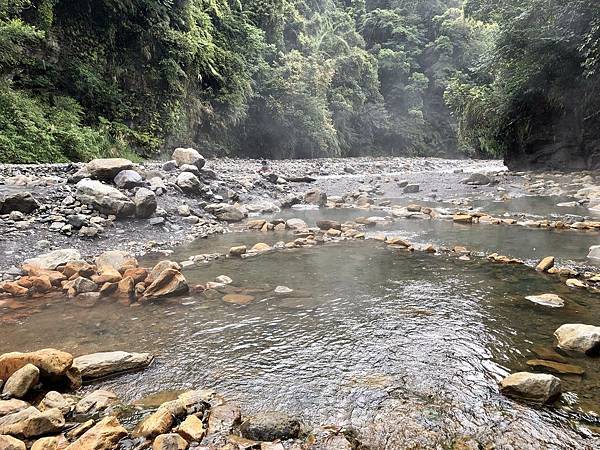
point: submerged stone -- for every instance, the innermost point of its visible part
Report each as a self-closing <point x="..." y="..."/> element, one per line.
<point x="555" y="367"/>
<point x="551" y="300"/>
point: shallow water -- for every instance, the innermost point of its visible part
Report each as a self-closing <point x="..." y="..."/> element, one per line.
<point x="405" y="348"/>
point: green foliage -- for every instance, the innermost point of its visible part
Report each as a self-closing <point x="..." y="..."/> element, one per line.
<point x="271" y="78"/>
<point x="535" y="85"/>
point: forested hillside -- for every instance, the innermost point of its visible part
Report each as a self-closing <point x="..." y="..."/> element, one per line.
<point x="298" y="78"/>
<point x="534" y="99"/>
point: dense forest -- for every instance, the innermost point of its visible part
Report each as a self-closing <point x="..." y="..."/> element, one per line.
<point x="300" y="78"/>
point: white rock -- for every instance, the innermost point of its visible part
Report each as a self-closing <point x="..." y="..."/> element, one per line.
<point x="55" y="258"/>
<point x="578" y="337"/>
<point x="551" y="300"/>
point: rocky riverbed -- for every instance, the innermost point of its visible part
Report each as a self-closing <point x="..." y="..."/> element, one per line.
<point x="117" y="241"/>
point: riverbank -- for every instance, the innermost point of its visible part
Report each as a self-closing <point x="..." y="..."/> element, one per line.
<point x="54" y="218"/>
<point x="417" y="325"/>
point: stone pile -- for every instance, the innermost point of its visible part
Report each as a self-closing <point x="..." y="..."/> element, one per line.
<point x="112" y="275"/>
<point x="40" y="409"/>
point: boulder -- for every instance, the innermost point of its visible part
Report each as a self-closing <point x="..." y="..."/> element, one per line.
<point x="96" y="402"/>
<point x="162" y="420"/>
<point x="545" y="264"/>
<point x="534" y="387"/>
<point x="50" y="261"/>
<point x="11" y="443"/>
<point x="326" y="225"/>
<point x="477" y="179"/>
<point x="238" y="251"/>
<point x="160" y="268"/>
<point x="51" y="443"/>
<point x="576" y="337"/>
<point x="223" y="418"/>
<point x="52" y="363"/>
<point x="270" y="426"/>
<point x="81" y="285"/>
<point x="315" y="197"/>
<point x="145" y="203"/>
<point x="20" y="201"/>
<point x="226" y="212"/>
<point x="54" y="399"/>
<point x="260" y="247"/>
<point x="99" y="365"/>
<point x="128" y="179"/>
<point x="191" y="429"/>
<point x="115" y="261"/>
<point x="12" y="406"/>
<point x="188" y="156"/>
<point x="106" y="199"/>
<point x="103" y="436"/>
<point x="411" y="189"/>
<point x="170" y="282"/>
<point x="30" y="423"/>
<point x="107" y="169"/>
<point x="21" y="382"/>
<point x="594" y="252"/>
<point x="189" y="183"/>
<point x="296" y="224"/>
<point x="171" y="441"/>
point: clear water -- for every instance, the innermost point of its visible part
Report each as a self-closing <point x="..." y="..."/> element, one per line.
<point x="405" y="348"/>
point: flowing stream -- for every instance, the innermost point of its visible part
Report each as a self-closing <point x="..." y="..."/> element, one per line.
<point x="407" y="349"/>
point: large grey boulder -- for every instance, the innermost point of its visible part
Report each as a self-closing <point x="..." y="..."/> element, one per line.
<point x="577" y="337"/>
<point x="534" y="387"/>
<point x="594" y="252"/>
<point x="106" y="199"/>
<point x="128" y="179"/>
<point x="145" y="203"/>
<point x="226" y="212"/>
<point x="107" y="169"/>
<point x="20" y="201"/>
<point x="54" y="259"/>
<point x="315" y="197"/>
<point x="477" y="179"/>
<point x="189" y="183"/>
<point x="188" y="156"/>
<point x="99" y="365"/>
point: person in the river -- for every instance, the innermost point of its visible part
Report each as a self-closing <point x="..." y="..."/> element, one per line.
<point x="264" y="167"/>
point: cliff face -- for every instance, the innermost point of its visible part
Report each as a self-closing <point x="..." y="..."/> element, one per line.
<point x="544" y="137"/>
<point x="551" y="154"/>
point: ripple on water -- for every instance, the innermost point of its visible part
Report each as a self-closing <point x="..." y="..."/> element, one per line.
<point x="406" y="348"/>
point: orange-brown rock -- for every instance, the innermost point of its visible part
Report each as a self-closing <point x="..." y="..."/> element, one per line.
<point x="138" y="274"/>
<point x="14" y="289"/>
<point x="169" y="282"/>
<point x="109" y="276"/>
<point x="25" y="282"/>
<point x="51" y="362"/>
<point x="55" y="276"/>
<point x="103" y="436"/>
<point x="108" y="289"/>
<point x="41" y="284"/>
<point x="80" y="268"/>
<point x="126" y="287"/>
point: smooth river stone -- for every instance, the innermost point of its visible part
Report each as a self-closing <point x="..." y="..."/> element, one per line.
<point x="238" y="299"/>
<point x="577" y="337"/>
<point x="555" y="367"/>
<point x="534" y="387"/>
<point x="551" y="300"/>
<point x="99" y="365"/>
